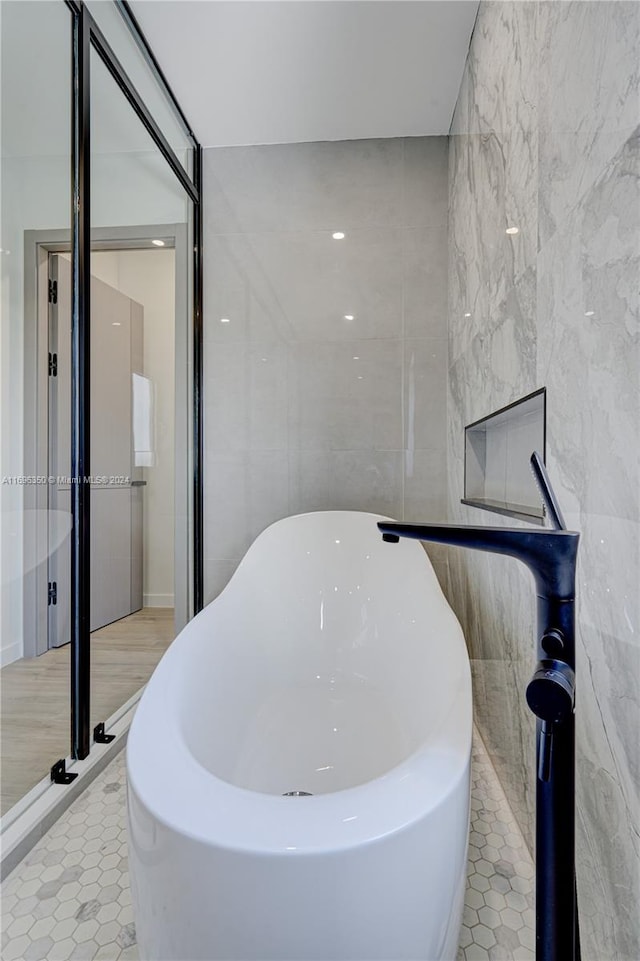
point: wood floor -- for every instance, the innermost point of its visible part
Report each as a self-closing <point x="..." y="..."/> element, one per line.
<point x="34" y="711"/>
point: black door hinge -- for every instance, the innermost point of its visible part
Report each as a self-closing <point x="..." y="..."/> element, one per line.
<point x="53" y="592"/>
<point x="60" y="775"/>
<point x="53" y="291"/>
<point x="100" y="737"/>
<point x="53" y="365"/>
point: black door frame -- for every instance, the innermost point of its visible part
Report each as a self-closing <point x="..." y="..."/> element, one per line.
<point x="86" y="35"/>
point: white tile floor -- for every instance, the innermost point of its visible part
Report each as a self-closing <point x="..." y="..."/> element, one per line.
<point x="498" y="920"/>
<point x="70" y="897"/>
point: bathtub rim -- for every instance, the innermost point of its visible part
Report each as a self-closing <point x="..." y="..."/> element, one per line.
<point x="298" y="823"/>
<point x="391" y="802"/>
<point x="412" y="544"/>
<point x="384" y="804"/>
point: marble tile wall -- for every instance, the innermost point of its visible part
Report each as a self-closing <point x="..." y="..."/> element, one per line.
<point x="546" y="137"/>
<point x="325" y="360"/>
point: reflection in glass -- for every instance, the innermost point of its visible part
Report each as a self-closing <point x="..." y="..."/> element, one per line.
<point x="140" y="332"/>
<point x="130" y="55"/>
<point x="36" y="523"/>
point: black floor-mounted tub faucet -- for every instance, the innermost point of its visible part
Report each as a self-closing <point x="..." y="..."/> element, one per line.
<point x="550" y="555"/>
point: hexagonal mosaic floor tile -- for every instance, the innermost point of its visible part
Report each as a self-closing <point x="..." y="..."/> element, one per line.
<point x="69" y="900"/>
<point x="498" y="921"/>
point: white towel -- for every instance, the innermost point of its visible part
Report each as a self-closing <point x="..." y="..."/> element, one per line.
<point x="144" y="455"/>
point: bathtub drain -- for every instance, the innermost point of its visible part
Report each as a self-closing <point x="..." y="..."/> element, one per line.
<point x="297" y="794"/>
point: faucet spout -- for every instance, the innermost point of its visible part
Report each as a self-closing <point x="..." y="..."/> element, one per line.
<point x="549" y="554"/>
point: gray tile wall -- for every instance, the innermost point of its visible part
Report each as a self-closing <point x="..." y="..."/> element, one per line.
<point x="305" y="410"/>
<point x="545" y="137"/>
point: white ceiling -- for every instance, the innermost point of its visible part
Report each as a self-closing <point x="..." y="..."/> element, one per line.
<point x="286" y="71"/>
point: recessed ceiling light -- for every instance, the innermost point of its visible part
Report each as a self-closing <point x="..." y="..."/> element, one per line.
<point x="589" y="313"/>
<point x="116" y="323"/>
<point x="467" y="315"/>
<point x="356" y="358"/>
<point x="338" y="235"/>
<point x="348" y="317"/>
<point x="158" y="243"/>
<point x="512" y="230"/>
<point x="225" y="320"/>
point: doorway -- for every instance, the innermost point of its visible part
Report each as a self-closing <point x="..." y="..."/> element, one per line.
<point x="117" y="370"/>
<point x="139" y="403"/>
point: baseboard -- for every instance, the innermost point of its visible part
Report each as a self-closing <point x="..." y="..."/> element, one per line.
<point x="158" y="600"/>
<point x="10" y="653"/>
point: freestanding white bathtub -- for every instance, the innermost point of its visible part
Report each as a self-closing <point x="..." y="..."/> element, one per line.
<point x="331" y="664"/>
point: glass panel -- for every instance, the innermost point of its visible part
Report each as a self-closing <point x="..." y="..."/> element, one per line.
<point x="140" y="392"/>
<point x="128" y="52"/>
<point x="36" y="520"/>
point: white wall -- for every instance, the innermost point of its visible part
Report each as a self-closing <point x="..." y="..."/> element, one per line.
<point x="148" y="277"/>
<point x="326" y="389"/>
<point x="35" y="194"/>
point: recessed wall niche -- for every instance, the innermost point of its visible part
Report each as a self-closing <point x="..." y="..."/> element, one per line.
<point x="498" y="448"/>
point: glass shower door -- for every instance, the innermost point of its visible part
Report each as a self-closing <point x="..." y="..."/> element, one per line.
<point x="140" y="390"/>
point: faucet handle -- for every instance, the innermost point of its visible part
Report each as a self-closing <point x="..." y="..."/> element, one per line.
<point x="547" y="492"/>
<point x="551" y="697"/>
<point x="551" y="690"/>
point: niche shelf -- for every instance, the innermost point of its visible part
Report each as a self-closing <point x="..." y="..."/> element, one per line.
<point x="497" y="449"/>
